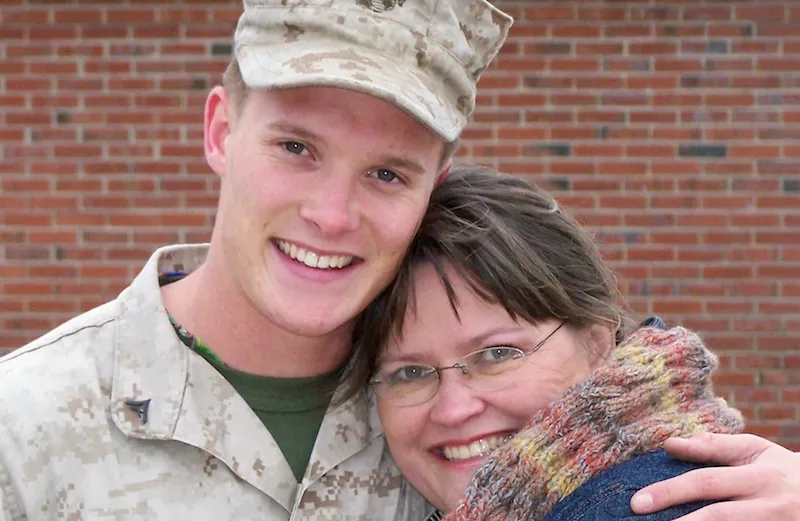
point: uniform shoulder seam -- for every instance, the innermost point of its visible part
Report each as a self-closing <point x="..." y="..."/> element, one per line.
<point x="33" y="348"/>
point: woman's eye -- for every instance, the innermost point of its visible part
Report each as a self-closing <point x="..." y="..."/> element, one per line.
<point x="293" y="147"/>
<point x="385" y="175"/>
<point x="408" y="373"/>
<point x="498" y="354"/>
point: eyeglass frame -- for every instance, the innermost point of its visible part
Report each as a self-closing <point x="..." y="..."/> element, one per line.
<point x="465" y="369"/>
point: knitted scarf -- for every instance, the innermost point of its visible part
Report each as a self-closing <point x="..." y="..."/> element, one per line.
<point x="656" y="384"/>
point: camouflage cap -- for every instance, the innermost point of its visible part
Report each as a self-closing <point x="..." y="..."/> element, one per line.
<point x="425" y="56"/>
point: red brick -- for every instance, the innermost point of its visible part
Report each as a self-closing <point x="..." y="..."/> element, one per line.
<point x="727" y="272"/>
<point x="208" y="32"/>
<point x="130" y="16"/>
<point x="78" y="16"/>
<point x="755" y="81"/>
<point x="735" y="379"/>
<point x="638" y="116"/>
<point x="548" y="13"/>
<point x="677" y="65"/>
<point x="52" y="33"/>
<point x="597" y="150"/>
<point x="701" y="256"/>
<point x="777" y="412"/>
<point x="729" y="64"/>
<point x="765" y="431"/>
<point x="628" y="31"/>
<point x="652" y="82"/>
<point x="776" y="12"/>
<point x="729" y="30"/>
<point x="653" y="47"/>
<point x="789" y="395"/>
<point x="730" y="100"/>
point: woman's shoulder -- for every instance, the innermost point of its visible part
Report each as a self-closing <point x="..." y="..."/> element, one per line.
<point x="606" y="497"/>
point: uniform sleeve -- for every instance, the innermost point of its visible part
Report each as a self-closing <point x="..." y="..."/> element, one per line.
<point x="10" y="504"/>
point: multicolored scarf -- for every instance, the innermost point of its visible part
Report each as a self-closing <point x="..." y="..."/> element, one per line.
<point x="656" y="384"/>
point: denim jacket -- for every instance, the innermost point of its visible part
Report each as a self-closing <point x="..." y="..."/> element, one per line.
<point x="607" y="496"/>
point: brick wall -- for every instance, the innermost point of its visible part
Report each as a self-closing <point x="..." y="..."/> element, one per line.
<point x="669" y="127"/>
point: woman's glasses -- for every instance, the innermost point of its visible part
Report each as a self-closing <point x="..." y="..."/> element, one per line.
<point x="482" y="370"/>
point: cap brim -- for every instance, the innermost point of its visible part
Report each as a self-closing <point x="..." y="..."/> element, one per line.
<point x="335" y="64"/>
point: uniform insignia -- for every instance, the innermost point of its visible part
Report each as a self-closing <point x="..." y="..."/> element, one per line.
<point x="380" y="6"/>
<point x="140" y="407"/>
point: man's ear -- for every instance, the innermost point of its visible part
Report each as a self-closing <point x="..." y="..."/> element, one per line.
<point x="444" y="172"/>
<point x="216" y="128"/>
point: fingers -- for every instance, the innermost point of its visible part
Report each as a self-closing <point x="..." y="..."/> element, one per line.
<point x="720" y="449"/>
<point x="716" y="483"/>
<point x="760" y="477"/>
<point x="724" y="512"/>
<point x="750" y="510"/>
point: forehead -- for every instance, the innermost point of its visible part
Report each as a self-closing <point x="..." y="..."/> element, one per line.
<point x="332" y="106"/>
<point x="430" y="319"/>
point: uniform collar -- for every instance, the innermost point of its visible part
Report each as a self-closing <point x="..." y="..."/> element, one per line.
<point x="151" y="364"/>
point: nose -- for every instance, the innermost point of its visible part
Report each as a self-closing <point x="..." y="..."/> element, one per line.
<point x="331" y="205"/>
<point x="455" y="403"/>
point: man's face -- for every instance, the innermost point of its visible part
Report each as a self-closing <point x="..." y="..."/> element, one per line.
<point x="322" y="191"/>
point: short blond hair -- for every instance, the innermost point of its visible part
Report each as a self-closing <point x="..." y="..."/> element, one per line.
<point x="234" y="84"/>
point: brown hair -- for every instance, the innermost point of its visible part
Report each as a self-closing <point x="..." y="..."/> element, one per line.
<point x="513" y="246"/>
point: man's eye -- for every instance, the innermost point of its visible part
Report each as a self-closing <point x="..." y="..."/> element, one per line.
<point x="293" y="147"/>
<point x="382" y="174"/>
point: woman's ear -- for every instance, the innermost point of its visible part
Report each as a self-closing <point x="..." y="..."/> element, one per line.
<point x="600" y="341"/>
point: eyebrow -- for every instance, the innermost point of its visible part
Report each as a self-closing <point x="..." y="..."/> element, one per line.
<point x="291" y="128"/>
<point x="467" y="345"/>
<point x="401" y="163"/>
<point x="477" y="341"/>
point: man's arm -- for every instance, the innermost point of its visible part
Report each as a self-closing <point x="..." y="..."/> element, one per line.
<point x="761" y="480"/>
<point x="10" y="504"/>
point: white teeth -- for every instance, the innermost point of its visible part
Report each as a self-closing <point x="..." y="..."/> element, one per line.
<point x="476" y="449"/>
<point x="312" y="259"/>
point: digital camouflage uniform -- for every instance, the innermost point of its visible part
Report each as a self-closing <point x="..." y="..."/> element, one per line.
<point x="111" y="417"/>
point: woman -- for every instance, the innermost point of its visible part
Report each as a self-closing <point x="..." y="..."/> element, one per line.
<point x="504" y="335"/>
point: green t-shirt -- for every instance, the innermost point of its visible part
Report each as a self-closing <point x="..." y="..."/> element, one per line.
<point x="291" y="408"/>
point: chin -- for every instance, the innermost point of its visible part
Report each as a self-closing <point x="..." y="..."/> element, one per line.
<point x="310" y="322"/>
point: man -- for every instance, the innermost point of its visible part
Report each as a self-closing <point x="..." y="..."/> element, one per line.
<point x="204" y="390"/>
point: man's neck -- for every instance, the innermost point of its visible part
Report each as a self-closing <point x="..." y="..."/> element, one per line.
<point x="208" y="305"/>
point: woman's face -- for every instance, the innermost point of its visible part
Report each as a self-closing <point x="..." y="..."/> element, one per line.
<point x="439" y="444"/>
